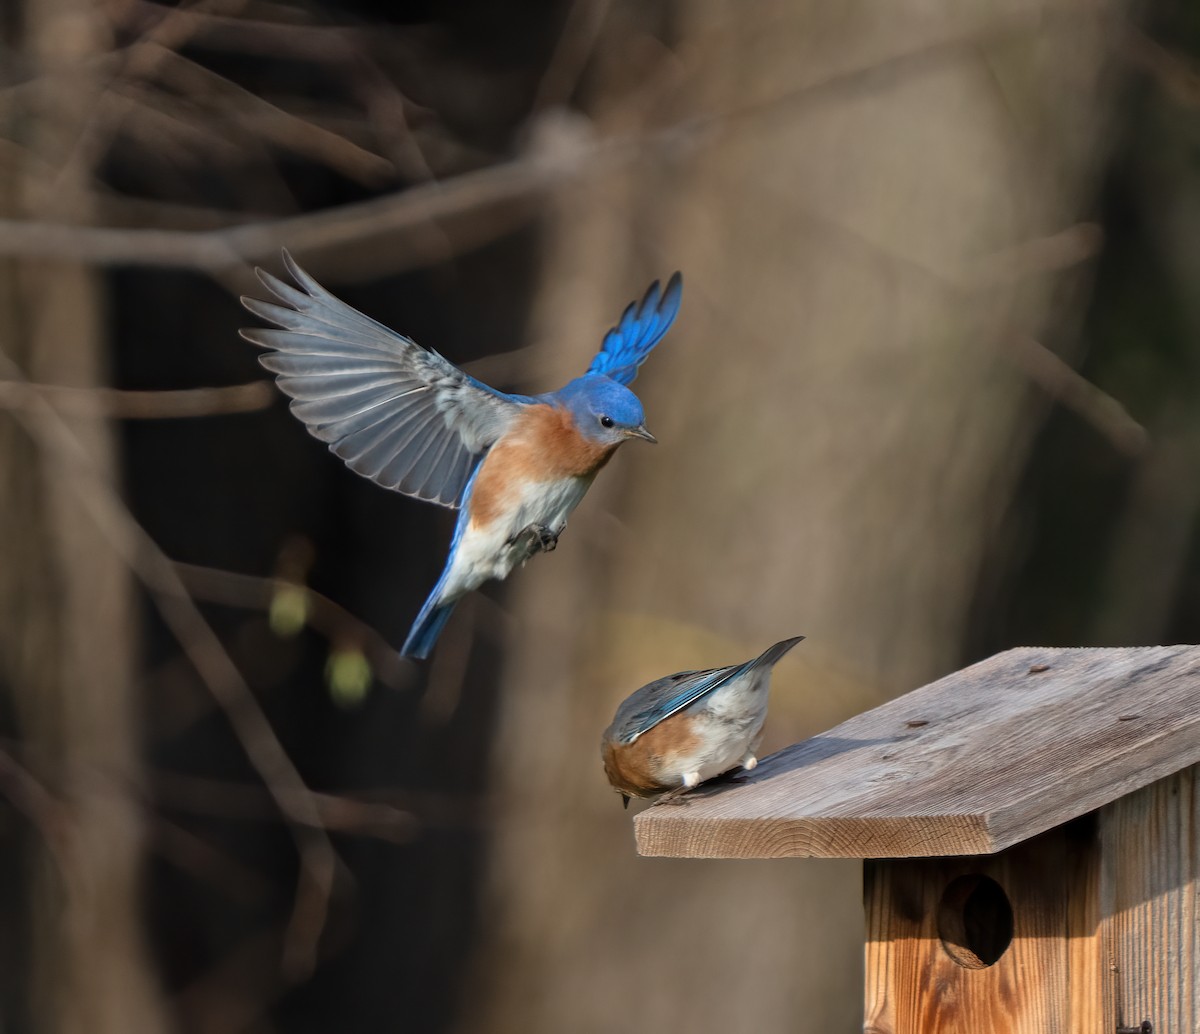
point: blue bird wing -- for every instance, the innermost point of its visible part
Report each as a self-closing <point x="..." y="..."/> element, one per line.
<point x="641" y="327"/>
<point x="661" y="699"/>
<point x="395" y="412"/>
<point x="657" y="701"/>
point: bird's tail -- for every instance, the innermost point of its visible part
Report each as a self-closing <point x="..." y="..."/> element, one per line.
<point x="427" y="627"/>
<point x="771" y="655"/>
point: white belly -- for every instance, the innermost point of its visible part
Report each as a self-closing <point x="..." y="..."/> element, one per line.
<point x="732" y="719"/>
<point x="493" y="550"/>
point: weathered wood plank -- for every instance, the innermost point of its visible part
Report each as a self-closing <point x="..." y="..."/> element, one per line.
<point x="982" y="759"/>
<point x="1150" y="867"/>
<point x="1039" y="984"/>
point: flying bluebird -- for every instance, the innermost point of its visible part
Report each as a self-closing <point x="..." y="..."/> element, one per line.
<point x="515" y="466"/>
<point x="679" y="731"/>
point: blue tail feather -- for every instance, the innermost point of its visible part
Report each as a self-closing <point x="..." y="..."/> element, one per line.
<point x="427" y="628"/>
<point x="436" y="611"/>
<point x="771" y="655"/>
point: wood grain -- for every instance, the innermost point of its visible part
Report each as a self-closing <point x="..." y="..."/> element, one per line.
<point x="1150" y="864"/>
<point x="971" y="764"/>
<point x="1041" y="983"/>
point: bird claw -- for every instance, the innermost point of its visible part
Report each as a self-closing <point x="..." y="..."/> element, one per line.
<point x="537" y="538"/>
<point x="673" y="797"/>
<point x="547" y="538"/>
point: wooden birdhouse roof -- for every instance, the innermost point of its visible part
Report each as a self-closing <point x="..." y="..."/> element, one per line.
<point x="971" y="764"/>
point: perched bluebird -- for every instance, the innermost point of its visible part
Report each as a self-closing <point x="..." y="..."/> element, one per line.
<point x="675" y="733"/>
<point x="515" y="466"/>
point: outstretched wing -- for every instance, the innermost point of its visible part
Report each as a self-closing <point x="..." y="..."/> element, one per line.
<point x="640" y="328"/>
<point x="395" y="412"/>
<point x="659" y="700"/>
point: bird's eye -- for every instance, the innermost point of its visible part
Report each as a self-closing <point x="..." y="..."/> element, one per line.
<point x="606" y="421"/>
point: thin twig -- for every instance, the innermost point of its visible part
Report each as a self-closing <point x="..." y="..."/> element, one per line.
<point x="138" y="405"/>
<point x="197" y="856"/>
<point x="318" y="860"/>
<point x="1176" y="75"/>
<point x="237" y="991"/>
<point x="343" y="47"/>
<point x="108" y="109"/>
<point x="972" y="287"/>
<point x="216" y="251"/>
<point x="333" y="621"/>
<point x="30" y="797"/>
<point x="1036" y="257"/>
<point x="230" y="800"/>
<point x="581" y="28"/>
<point x="273" y="123"/>
<point x="541" y="169"/>
<point x="1068" y="386"/>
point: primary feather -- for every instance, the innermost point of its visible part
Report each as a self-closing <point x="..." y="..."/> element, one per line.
<point x="395" y="412"/>
<point x="640" y="328"/>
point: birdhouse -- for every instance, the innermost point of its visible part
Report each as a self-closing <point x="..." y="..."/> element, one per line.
<point x="1031" y="831"/>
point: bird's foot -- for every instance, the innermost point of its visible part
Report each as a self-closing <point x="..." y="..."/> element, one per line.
<point x="536" y="538"/>
<point x="673" y="797"/>
<point x="690" y="781"/>
<point x="546" y="538"/>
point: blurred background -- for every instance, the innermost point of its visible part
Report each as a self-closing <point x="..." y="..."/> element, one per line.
<point x="933" y="393"/>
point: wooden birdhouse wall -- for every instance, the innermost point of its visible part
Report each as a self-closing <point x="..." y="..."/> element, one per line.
<point x="1031" y="831"/>
<point x="1150" y="915"/>
<point x="1089" y="927"/>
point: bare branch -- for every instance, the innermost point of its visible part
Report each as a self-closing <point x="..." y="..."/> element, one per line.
<point x="231" y="800"/>
<point x="216" y="251"/>
<point x="197" y="856"/>
<point x="562" y="157"/>
<point x="581" y="28"/>
<point x="1068" y="386"/>
<point x="1039" y="364"/>
<point x="284" y="129"/>
<point x="204" y="649"/>
<point x="1037" y="257"/>
<point x="238" y="990"/>
<point x="25" y="793"/>
<point x="1177" y="77"/>
<point x="138" y="405"/>
<point x="333" y="621"/>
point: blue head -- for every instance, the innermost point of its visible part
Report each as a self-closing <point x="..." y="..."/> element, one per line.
<point x="606" y="412"/>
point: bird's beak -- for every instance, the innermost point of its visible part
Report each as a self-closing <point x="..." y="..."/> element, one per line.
<point x="625" y="800"/>
<point x="641" y="432"/>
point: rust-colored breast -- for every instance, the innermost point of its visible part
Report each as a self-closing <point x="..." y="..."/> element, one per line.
<point x="544" y="446"/>
<point x="647" y="766"/>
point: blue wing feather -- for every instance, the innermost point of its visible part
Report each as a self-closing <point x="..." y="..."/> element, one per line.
<point x="659" y="700"/>
<point x="641" y="327"/>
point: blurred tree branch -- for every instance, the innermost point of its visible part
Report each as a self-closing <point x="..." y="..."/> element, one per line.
<point x="138" y="405"/>
<point x="560" y="150"/>
<point x="334" y="622"/>
<point x="423" y="221"/>
<point x="339" y="813"/>
<point x="1178" y="77"/>
<point x="146" y="561"/>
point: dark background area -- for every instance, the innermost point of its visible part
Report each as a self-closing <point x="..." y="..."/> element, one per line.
<point x="853" y="447"/>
